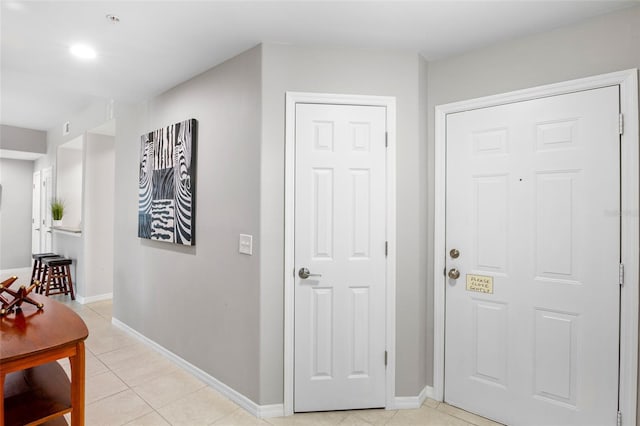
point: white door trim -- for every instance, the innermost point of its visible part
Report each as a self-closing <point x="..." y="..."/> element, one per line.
<point x="292" y="98"/>
<point x="628" y="81"/>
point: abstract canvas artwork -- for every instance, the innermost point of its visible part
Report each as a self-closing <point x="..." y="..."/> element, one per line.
<point x="166" y="203"/>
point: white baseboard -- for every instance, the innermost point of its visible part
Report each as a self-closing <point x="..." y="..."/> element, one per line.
<point x="268" y="411"/>
<point x="409" y="402"/>
<point x="428" y="392"/>
<point x="97" y="298"/>
<point x="260" y="411"/>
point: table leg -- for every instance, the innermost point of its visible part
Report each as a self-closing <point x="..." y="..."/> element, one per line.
<point x="77" y="386"/>
<point x="2" y="376"/>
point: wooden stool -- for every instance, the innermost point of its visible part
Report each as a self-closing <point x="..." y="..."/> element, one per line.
<point x="57" y="276"/>
<point x="44" y="274"/>
<point x="37" y="273"/>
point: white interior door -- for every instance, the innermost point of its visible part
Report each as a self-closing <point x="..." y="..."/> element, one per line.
<point x="35" y="213"/>
<point x="339" y="336"/>
<point x="46" y="194"/>
<point x="532" y="202"/>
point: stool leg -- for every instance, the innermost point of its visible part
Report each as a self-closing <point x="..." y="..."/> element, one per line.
<point x="36" y="268"/>
<point x="42" y="275"/>
<point x="69" y="282"/>
<point x="59" y="278"/>
<point x="47" y="277"/>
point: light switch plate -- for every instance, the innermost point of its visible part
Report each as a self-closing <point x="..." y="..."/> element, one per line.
<point x="245" y="244"/>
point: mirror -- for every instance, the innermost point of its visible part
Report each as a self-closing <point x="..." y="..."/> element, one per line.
<point x="69" y="178"/>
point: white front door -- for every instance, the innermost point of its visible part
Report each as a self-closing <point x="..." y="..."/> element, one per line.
<point x="340" y="178"/>
<point x="532" y="202"/>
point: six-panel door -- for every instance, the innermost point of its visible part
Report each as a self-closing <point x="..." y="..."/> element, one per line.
<point x="340" y="238"/>
<point x="533" y="196"/>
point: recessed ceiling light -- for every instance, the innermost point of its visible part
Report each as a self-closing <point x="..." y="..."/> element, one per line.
<point x="83" y="51"/>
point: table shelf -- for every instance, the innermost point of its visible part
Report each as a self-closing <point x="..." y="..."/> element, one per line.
<point x="36" y="394"/>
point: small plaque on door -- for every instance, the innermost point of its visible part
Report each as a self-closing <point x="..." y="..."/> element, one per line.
<point x="480" y="283"/>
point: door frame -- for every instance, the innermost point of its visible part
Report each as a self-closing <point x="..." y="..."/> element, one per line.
<point x="293" y="98"/>
<point x="630" y="223"/>
<point x="47" y="187"/>
<point x="36" y="212"/>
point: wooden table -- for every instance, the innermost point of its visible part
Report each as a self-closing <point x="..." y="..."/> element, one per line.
<point x="33" y="386"/>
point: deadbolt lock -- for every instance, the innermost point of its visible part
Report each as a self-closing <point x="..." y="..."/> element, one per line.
<point x="454" y="253"/>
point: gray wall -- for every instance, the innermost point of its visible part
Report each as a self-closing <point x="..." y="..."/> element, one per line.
<point x="21" y="139"/>
<point x="94" y="115"/>
<point x="605" y="44"/>
<point x="237" y="314"/>
<point x="16" y="178"/>
<point x="348" y="71"/>
<point x="200" y="302"/>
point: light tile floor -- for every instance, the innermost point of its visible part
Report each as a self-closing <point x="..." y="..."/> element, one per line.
<point x="127" y="383"/>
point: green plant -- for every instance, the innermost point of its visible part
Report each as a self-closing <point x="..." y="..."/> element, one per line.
<point x="57" y="208"/>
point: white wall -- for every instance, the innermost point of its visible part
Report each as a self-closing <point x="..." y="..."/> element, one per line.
<point x="72" y="247"/>
<point x="16" y="178"/>
<point x="69" y="183"/>
<point x="98" y="229"/>
<point x="68" y="188"/>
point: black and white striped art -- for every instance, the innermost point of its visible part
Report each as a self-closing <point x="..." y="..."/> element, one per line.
<point x="166" y="184"/>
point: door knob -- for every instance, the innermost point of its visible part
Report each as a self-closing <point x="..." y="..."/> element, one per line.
<point x="454" y="274"/>
<point x="304" y="274"/>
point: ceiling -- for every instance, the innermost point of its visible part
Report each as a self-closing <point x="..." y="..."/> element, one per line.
<point x="158" y="44"/>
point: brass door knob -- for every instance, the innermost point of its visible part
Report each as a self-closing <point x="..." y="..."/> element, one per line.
<point x="454" y="274"/>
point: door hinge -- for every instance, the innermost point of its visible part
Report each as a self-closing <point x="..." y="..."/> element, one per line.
<point x="621" y="124"/>
<point x="619" y="421"/>
<point x="386" y="139"/>
<point x="386" y="248"/>
<point x="385" y="358"/>
<point x="621" y="274"/>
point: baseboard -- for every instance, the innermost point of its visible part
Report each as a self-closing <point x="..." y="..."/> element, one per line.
<point x="97" y="298"/>
<point x="427" y="392"/>
<point x="409" y="402"/>
<point x="268" y="411"/>
<point x="260" y="411"/>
